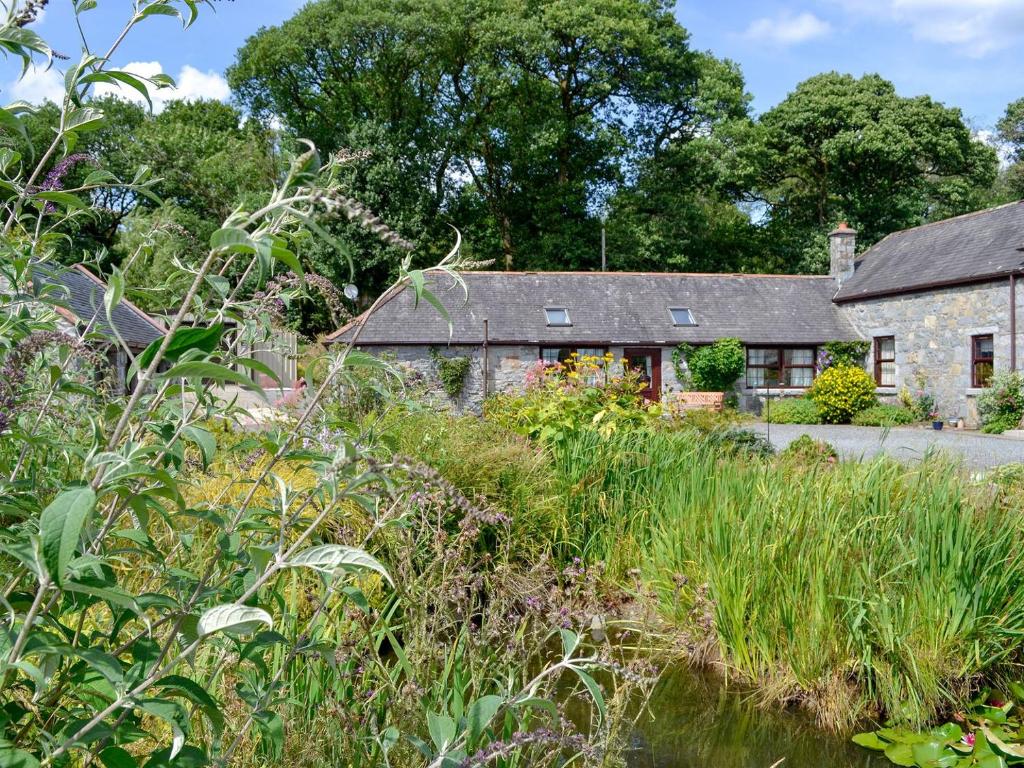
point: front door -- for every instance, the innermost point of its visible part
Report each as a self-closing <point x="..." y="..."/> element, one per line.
<point x="646" y="361"/>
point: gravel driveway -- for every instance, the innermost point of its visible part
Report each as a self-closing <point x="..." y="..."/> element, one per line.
<point x="978" y="451"/>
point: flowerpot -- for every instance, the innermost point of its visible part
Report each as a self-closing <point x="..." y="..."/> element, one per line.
<point x="936" y="425"/>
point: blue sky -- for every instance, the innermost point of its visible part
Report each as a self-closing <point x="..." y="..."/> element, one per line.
<point x="965" y="53"/>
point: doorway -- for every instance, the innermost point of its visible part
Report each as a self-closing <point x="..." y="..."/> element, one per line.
<point x="647" y="362"/>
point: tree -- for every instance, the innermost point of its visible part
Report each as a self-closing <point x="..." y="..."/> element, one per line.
<point x="845" y="147"/>
<point x="514" y="119"/>
<point x="1010" y="130"/>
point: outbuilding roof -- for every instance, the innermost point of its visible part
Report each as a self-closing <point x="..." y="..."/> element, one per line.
<point x="609" y="308"/>
<point x="80" y="293"/>
<point x="964" y="249"/>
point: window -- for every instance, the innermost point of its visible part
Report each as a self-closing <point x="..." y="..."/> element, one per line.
<point x="557" y="316"/>
<point x="982" y="360"/>
<point x="797" y="367"/>
<point x="782" y="367"/>
<point x="553" y="355"/>
<point x="885" y="361"/>
<point x="681" y="316"/>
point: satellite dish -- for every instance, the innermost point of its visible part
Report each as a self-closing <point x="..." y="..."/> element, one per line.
<point x="351" y="292"/>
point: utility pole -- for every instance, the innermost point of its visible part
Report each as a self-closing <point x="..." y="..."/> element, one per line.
<point x="604" y="260"/>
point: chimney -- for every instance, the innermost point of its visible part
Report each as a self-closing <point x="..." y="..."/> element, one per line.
<point x="842" y="247"/>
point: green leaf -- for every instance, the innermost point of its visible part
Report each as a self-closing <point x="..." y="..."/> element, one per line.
<point x="900" y="754"/>
<point x="231" y="238"/>
<point x="331" y="557"/>
<point x="174" y="715"/>
<point x="204" y="439"/>
<point x="84" y="119"/>
<point x="1001" y="746"/>
<point x="197" y="695"/>
<point x="595" y="691"/>
<point x="481" y="712"/>
<point x="442" y="730"/>
<point x="116" y="757"/>
<point x="17" y="758"/>
<point x="271" y="728"/>
<point x="233" y="619"/>
<point x="200" y="369"/>
<point x="870" y="740"/>
<point x="103" y="663"/>
<point x="65" y="199"/>
<point x="60" y="526"/>
<point x="183" y="340"/>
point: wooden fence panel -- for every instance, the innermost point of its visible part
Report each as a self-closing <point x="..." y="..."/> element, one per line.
<point x="279" y="353"/>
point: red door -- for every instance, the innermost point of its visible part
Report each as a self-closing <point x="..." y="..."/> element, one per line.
<point x="646" y="361"/>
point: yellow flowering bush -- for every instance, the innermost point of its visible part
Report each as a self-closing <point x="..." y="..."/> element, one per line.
<point x="841" y="392"/>
<point x="582" y="392"/>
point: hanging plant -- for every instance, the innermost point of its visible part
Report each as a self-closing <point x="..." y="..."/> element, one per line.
<point x="451" y="371"/>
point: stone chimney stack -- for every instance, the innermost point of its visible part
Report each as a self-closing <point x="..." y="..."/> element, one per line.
<point x="842" y="247"/>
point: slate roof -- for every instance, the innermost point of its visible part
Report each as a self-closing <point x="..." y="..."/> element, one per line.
<point x="81" y="294"/>
<point x="964" y="249"/>
<point x="611" y="308"/>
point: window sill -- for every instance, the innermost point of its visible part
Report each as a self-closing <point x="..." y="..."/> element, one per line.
<point x="886" y="391"/>
<point x="764" y="392"/>
<point x="974" y="391"/>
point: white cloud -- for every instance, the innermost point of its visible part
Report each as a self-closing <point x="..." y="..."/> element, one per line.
<point x="973" y="27"/>
<point x="191" y="84"/>
<point x="788" y="28"/>
<point x="38" y="85"/>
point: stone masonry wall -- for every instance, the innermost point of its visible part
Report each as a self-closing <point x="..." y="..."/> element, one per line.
<point x="933" y="333"/>
<point x="507" y="370"/>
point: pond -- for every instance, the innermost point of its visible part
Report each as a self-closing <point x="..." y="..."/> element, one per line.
<point x="694" y="721"/>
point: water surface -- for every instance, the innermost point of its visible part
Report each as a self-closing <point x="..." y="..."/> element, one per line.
<point x="694" y="721"/>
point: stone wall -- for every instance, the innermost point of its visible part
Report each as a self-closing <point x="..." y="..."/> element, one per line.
<point x="933" y="331"/>
<point x="507" y="370"/>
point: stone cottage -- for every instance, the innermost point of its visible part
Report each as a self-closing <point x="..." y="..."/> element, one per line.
<point x="937" y="303"/>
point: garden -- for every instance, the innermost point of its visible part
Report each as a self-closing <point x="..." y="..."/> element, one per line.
<point x="366" y="580"/>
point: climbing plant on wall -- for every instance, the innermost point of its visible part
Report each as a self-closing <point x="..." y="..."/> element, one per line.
<point x="451" y="371"/>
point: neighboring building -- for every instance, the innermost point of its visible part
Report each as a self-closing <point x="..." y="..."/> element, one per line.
<point x="78" y="297"/>
<point x="938" y="304"/>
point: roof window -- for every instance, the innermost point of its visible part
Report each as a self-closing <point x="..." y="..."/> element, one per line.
<point x="557" y="316"/>
<point x="681" y="316"/>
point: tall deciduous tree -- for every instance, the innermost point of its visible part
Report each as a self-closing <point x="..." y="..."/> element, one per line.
<point x="1010" y="130"/>
<point x="845" y="147"/>
<point x="514" y="118"/>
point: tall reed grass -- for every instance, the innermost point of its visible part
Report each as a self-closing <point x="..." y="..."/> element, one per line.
<point x="852" y="586"/>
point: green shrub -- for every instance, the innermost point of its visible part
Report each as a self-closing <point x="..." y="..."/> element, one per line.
<point x="841" y="392"/>
<point x="885" y="415"/>
<point x="716" y="367"/>
<point x="806" y="450"/>
<point x="1001" y="405"/>
<point x="792" y="410"/>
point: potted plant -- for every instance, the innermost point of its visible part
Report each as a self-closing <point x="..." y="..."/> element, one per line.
<point x="936" y="421"/>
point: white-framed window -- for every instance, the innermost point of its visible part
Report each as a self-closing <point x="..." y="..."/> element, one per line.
<point x="557" y="316"/>
<point x="681" y="316"/>
<point x="780" y="367"/>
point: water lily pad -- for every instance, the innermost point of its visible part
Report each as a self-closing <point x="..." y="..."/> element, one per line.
<point x="870" y="740"/>
<point x="900" y="753"/>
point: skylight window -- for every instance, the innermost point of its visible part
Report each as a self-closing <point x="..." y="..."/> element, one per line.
<point x="557" y="316"/>
<point x="681" y="316"/>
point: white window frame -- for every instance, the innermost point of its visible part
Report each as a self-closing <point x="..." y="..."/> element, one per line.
<point x="563" y="310"/>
